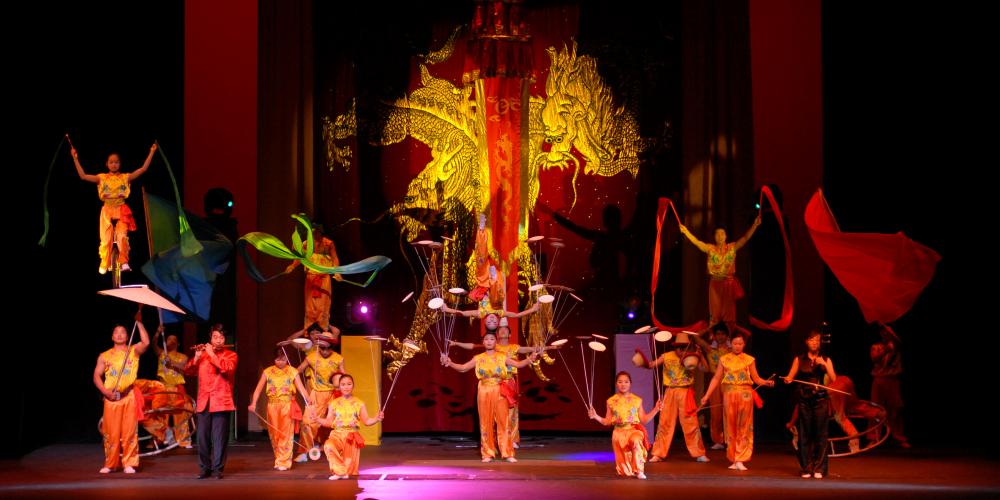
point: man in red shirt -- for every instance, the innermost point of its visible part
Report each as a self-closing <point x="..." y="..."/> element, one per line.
<point x="215" y="367"/>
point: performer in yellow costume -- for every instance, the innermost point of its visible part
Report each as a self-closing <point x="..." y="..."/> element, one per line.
<point x="326" y="367"/>
<point x="736" y="372"/>
<point x="114" y="375"/>
<point x="512" y="351"/>
<point x="113" y="188"/>
<point x="679" y="388"/>
<point x="629" y="440"/>
<point x="281" y="382"/>
<point x="714" y="351"/>
<point x="723" y="287"/>
<point x="493" y="396"/>
<point x="170" y="371"/>
<point x="343" y="414"/>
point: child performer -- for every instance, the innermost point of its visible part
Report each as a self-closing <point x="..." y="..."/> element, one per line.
<point x="281" y="381"/>
<point x="629" y="440"/>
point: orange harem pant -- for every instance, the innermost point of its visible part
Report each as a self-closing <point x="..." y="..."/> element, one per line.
<point x="309" y="433"/>
<point x="717" y="412"/>
<point x="674" y="409"/>
<point x="343" y="452"/>
<point x="722" y="297"/>
<point x="318" y="293"/>
<point x="493" y="410"/>
<point x="158" y="424"/>
<point x="737" y="406"/>
<point x="279" y="413"/>
<point x="119" y="232"/>
<point x="120" y="427"/>
<point x="630" y="454"/>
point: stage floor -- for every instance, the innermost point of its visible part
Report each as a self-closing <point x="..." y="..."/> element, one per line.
<point x="548" y="467"/>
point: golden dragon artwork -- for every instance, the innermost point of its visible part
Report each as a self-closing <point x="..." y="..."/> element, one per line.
<point x="577" y="118"/>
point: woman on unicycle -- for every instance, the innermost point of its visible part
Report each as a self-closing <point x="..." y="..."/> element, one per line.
<point x="116" y="218"/>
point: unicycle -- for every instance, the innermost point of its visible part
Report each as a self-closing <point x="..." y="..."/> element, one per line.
<point x="116" y="265"/>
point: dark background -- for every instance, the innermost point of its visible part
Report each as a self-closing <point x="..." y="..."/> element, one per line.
<point x="900" y="153"/>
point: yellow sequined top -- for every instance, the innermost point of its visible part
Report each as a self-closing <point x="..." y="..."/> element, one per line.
<point x="346" y="413"/>
<point x="714" y="355"/>
<point x="324" y="254"/>
<point x="168" y="375"/>
<point x="511" y="351"/>
<point x="113" y="359"/>
<point x="722" y="262"/>
<point x="492" y="366"/>
<point x="486" y="308"/>
<point x="323" y="370"/>
<point x="280" y="384"/>
<point x="736" y="369"/>
<point x="625" y="409"/>
<point x="113" y="188"/>
<point x="674" y="374"/>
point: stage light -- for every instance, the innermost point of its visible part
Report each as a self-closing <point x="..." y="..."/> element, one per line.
<point x="631" y="315"/>
<point x="362" y="312"/>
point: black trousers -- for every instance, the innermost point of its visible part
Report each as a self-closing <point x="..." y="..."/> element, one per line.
<point x="814" y="429"/>
<point x="213" y="439"/>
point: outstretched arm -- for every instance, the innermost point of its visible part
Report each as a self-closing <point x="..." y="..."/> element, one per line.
<point x="141" y="170"/>
<point x="646" y="417"/>
<point x="605" y="420"/>
<point x="471" y="313"/>
<point x="794" y="370"/>
<point x="525" y="312"/>
<point x="460" y="368"/>
<point x="524" y="362"/>
<point x="468" y="346"/>
<point x="746" y="237"/>
<point x="756" y="378"/>
<point x="370" y="421"/>
<point x="698" y="243"/>
<point x="79" y="168"/>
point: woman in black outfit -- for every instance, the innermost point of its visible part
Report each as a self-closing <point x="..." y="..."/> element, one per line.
<point x="813" y="406"/>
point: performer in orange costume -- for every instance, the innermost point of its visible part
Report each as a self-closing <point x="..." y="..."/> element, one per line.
<point x="326" y="367"/>
<point x="629" y="440"/>
<point x="170" y="371"/>
<point x="492" y="396"/>
<point x="343" y="447"/>
<point x="735" y="373"/>
<point x="281" y="381"/>
<point x="679" y="388"/>
<point x="113" y="188"/>
<point x="723" y="287"/>
<point x="116" y="371"/>
<point x="319" y="287"/>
